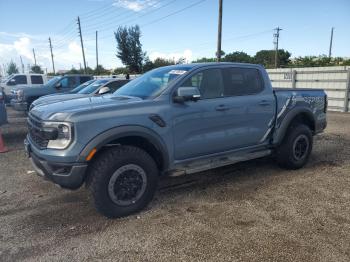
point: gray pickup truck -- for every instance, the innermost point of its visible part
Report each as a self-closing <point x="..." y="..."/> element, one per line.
<point x="172" y="120"/>
<point x="96" y="87"/>
<point x="23" y="97"/>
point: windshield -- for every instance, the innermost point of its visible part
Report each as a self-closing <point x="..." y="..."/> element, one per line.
<point x="152" y="83"/>
<point x="53" y="81"/>
<point x="94" y="86"/>
<point x="80" y="87"/>
<point x="6" y="78"/>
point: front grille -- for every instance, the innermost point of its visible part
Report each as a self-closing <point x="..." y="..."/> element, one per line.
<point x="34" y="130"/>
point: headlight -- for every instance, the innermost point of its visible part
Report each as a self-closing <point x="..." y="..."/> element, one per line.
<point x="20" y="95"/>
<point x="59" y="134"/>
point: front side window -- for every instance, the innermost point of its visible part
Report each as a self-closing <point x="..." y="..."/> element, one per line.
<point x="36" y="80"/>
<point x="20" y="79"/>
<point x="209" y="82"/>
<point x="152" y="83"/>
<point x="242" y="81"/>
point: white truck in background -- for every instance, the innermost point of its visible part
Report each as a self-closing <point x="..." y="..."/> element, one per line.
<point x="20" y="80"/>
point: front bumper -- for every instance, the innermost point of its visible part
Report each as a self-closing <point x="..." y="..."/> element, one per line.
<point x="67" y="175"/>
<point x="19" y="106"/>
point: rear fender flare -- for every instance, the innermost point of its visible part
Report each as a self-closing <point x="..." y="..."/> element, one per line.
<point x="287" y="120"/>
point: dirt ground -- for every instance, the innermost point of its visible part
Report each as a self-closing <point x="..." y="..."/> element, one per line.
<point x="252" y="211"/>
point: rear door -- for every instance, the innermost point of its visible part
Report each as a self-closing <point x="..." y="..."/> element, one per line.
<point x="251" y="107"/>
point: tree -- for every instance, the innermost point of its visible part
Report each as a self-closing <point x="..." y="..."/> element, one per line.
<point x="204" y="60"/>
<point x="129" y="47"/>
<point x="121" y="71"/>
<point x="159" y="62"/>
<point x="12" y="68"/>
<point x="267" y="58"/>
<point x="36" y="69"/>
<point x="240" y="57"/>
<point x="100" y="70"/>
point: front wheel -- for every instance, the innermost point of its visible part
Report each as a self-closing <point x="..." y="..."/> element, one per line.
<point x="123" y="181"/>
<point x="296" y="147"/>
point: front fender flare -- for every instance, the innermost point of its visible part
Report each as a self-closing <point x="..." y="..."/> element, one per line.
<point x="123" y="131"/>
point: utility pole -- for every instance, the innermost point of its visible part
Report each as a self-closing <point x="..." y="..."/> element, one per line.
<point x="82" y="45"/>
<point x="22" y="64"/>
<point x="218" y="51"/>
<point x="96" y="51"/>
<point x="53" y="64"/>
<point x="34" y="57"/>
<point x="276" y="38"/>
<point x="330" y="44"/>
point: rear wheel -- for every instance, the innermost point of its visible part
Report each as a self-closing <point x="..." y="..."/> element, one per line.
<point x="123" y="181"/>
<point x="295" y="150"/>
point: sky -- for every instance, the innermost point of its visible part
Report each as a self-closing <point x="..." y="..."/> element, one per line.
<point x="170" y="28"/>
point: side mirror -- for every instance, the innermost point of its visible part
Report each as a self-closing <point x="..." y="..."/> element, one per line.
<point x="58" y="85"/>
<point x="104" y="90"/>
<point x="11" y="82"/>
<point x="184" y="94"/>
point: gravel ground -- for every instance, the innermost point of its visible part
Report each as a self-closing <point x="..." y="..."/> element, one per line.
<point x="252" y="211"/>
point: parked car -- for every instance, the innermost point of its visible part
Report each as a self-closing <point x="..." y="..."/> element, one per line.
<point x="97" y="87"/>
<point x="20" y="81"/>
<point x="23" y="97"/>
<point x="172" y="120"/>
<point x="3" y="113"/>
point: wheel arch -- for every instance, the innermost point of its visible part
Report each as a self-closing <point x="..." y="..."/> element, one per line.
<point x="298" y="115"/>
<point x="138" y="136"/>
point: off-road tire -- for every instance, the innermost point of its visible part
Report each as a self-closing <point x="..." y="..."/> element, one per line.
<point x="285" y="153"/>
<point x="106" y="164"/>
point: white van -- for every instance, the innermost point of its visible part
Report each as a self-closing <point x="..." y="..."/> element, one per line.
<point x="21" y="80"/>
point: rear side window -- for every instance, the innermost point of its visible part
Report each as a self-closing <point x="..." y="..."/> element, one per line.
<point x="242" y="81"/>
<point x="83" y="79"/>
<point x="36" y="80"/>
<point x="20" y="79"/>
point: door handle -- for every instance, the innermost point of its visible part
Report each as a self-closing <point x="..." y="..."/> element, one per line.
<point x="264" y="103"/>
<point x="222" y="108"/>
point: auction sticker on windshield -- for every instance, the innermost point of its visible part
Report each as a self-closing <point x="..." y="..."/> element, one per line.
<point x="177" y="72"/>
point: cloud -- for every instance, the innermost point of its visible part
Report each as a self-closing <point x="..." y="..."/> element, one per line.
<point x="187" y="54"/>
<point x="135" y="5"/>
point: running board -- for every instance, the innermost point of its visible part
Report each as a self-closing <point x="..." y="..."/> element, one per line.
<point x="215" y="162"/>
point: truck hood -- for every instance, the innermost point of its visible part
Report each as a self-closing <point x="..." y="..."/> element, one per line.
<point x="61" y="110"/>
<point x="49" y="99"/>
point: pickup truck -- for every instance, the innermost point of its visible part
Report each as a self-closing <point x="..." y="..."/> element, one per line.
<point x="24" y="96"/>
<point x="19" y="81"/>
<point x="173" y="120"/>
<point x="96" y="87"/>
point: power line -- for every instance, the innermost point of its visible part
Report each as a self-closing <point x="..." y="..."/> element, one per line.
<point x="112" y="24"/>
<point x="173" y="13"/>
<point x="168" y="15"/>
